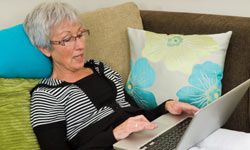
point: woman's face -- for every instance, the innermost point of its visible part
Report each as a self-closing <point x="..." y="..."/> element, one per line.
<point x="68" y="53"/>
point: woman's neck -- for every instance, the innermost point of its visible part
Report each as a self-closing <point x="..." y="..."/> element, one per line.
<point x="71" y="76"/>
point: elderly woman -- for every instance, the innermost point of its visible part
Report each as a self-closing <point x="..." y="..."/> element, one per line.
<point x="82" y="105"/>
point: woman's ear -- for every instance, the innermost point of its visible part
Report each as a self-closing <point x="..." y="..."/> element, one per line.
<point x="45" y="51"/>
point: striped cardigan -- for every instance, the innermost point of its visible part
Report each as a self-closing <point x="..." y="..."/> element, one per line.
<point x="58" y="104"/>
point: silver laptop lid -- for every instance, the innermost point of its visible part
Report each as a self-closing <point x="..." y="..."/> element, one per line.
<point x="206" y="121"/>
<point x="212" y="117"/>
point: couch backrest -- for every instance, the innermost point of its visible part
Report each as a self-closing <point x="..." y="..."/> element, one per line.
<point x="109" y="41"/>
<point x="237" y="63"/>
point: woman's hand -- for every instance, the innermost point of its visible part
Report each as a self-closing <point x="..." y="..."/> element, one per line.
<point x="177" y="108"/>
<point x="132" y="124"/>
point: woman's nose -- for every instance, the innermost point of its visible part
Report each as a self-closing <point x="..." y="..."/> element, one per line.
<point x="80" y="43"/>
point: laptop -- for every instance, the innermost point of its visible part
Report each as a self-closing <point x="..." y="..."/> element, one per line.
<point x="196" y="128"/>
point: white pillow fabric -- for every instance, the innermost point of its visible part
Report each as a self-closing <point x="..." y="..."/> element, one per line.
<point x="223" y="139"/>
<point x="184" y="67"/>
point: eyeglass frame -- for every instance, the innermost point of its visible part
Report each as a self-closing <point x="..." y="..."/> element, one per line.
<point x="62" y="42"/>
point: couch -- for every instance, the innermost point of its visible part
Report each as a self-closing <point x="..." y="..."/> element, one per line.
<point x="236" y="70"/>
<point x="237" y="63"/>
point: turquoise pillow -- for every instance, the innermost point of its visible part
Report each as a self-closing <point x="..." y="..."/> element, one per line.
<point x="19" y="58"/>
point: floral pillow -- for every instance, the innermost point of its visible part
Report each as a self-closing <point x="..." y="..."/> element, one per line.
<point x="184" y="67"/>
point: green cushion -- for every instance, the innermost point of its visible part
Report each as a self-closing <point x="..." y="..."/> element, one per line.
<point x="15" y="129"/>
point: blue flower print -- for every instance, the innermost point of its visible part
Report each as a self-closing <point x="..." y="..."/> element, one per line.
<point x="141" y="76"/>
<point x="205" y="85"/>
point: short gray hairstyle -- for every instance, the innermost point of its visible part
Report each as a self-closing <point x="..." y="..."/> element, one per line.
<point x="39" y="22"/>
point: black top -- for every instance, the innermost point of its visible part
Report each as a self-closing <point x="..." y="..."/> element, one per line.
<point x="101" y="93"/>
<point x="97" y="88"/>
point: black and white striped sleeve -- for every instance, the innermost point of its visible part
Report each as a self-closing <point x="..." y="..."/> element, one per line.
<point x="45" y="109"/>
<point x="48" y="121"/>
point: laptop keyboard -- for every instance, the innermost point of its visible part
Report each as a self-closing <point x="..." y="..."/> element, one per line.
<point x="169" y="139"/>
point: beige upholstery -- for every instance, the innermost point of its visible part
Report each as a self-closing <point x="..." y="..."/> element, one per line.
<point x="108" y="40"/>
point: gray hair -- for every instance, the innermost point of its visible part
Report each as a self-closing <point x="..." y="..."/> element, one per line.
<point x="39" y="22"/>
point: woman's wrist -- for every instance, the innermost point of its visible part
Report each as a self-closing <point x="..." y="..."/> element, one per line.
<point x="116" y="134"/>
<point x="168" y="103"/>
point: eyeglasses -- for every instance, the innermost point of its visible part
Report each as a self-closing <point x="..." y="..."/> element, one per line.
<point x="69" y="41"/>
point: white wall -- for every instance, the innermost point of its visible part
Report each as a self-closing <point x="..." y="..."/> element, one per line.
<point x="14" y="11"/>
